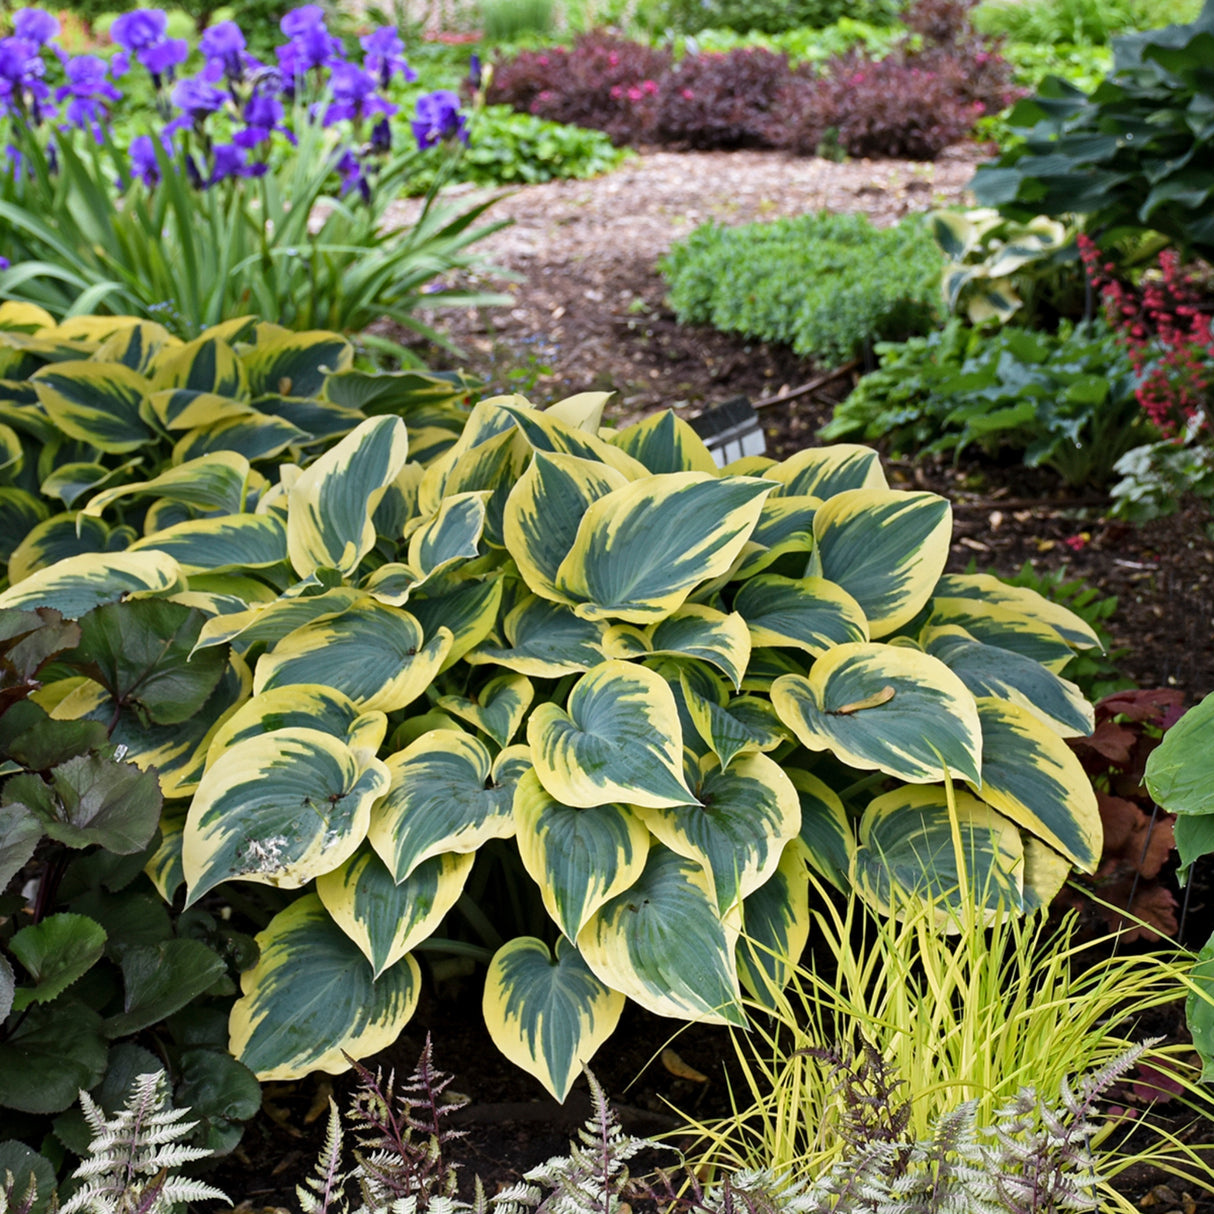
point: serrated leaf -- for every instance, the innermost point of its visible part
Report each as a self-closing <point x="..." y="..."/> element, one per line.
<point x="55" y="953"/>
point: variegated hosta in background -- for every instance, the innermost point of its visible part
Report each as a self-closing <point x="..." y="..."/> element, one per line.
<point x="636" y="693"/>
<point x="168" y="428"/>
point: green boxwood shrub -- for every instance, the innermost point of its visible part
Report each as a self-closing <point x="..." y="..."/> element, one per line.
<point x="827" y="285"/>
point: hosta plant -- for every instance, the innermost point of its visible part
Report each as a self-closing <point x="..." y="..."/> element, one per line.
<point x="168" y="428"/>
<point x="595" y="700"/>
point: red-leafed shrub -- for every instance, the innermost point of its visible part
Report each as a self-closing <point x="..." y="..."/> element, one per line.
<point x="723" y="100"/>
<point x="603" y="82"/>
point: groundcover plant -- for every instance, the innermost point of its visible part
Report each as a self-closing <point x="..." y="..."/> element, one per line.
<point x="581" y="704"/>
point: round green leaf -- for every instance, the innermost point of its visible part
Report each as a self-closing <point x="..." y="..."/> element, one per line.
<point x="56" y="1050"/>
<point x="1180" y="770"/>
<point x="548" y="1015"/>
<point x="663" y="944"/>
<point x="312" y="998"/>
<point x="619" y="741"/>
<point x="887" y="707"/>
<point x="160" y="979"/>
<point x="279" y="809"/>
<point x="579" y="858"/>
<point x="55" y="953"/>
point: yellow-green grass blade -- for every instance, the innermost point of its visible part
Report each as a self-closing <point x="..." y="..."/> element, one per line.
<point x="642" y="549"/>
<point x="664" y="442"/>
<point x="580" y="858"/>
<point x="786" y="526"/>
<point x="77" y="584"/>
<point x="377" y="655"/>
<point x="298" y="706"/>
<point x="886" y="548"/>
<point x="1002" y="626"/>
<point x="206" y="364"/>
<point x="544" y="511"/>
<point x="908" y="849"/>
<point x="745" y="817"/>
<point x="775" y="927"/>
<point x="97" y="403"/>
<point x="989" y="589"/>
<point x="285" y="362"/>
<point x="548" y="1015"/>
<point x="1029" y="774"/>
<point x="270" y="622"/>
<point x="885" y="707"/>
<point x="545" y="641"/>
<point x="312" y="999"/>
<point x="235" y="541"/>
<point x="445" y="795"/>
<point x="384" y="919"/>
<point x="497" y="709"/>
<point x="452" y="535"/>
<point x="988" y="670"/>
<point x="811" y="613"/>
<point x="279" y="809"/>
<point x="826" y="830"/>
<point x="822" y="472"/>
<point x="620" y="740"/>
<point x="663" y="944"/>
<point x="330" y="506"/>
<point x="466" y="607"/>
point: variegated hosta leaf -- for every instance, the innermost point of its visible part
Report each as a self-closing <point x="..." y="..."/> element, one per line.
<point x="279" y="809"/>
<point x="330" y="506"/>
<point x="992" y="590"/>
<point x="990" y="671"/>
<point x="270" y="622"/>
<point x="467" y="607"/>
<point x="886" y="548"/>
<point x="545" y="641"/>
<point x="822" y="472"/>
<point x="786" y="526"/>
<point x="498" y="708"/>
<point x="452" y="535"/>
<point x="445" y="796"/>
<point x="766" y="666"/>
<point x="252" y="434"/>
<point x="775" y="927"/>
<point x="186" y="409"/>
<point x="547" y="432"/>
<point x="236" y="541"/>
<point x="288" y="362"/>
<point x="696" y="631"/>
<point x="1045" y="873"/>
<point x="545" y="509"/>
<point x="375" y="654"/>
<point x="77" y="584"/>
<point x="620" y="740"/>
<point x="907" y="850"/>
<point x="1003" y="627"/>
<point x="663" y="943"/>
<point x="214" y="482"/>
<point x="384" y="919"/>
<point x="548" y="1016"/>
<point x="826" y="830"/>
<point x="97" y="403"/>
<point x="70" y="482"/>
<point x="886" y="707"/>
<point x="664" y="442"/>
<point x="582" y="410"/>
<point x="742" y="726"/>
<point x="805" y="613"/>
<point x="1032" y="776"/>
<point x="206" y="364"/>
<point x="642" y="549"/>
<point x="300" y="706"/>
<point x="580" y="858"/>
<point x="164" y="864"/>
<point x="311" y="999"/>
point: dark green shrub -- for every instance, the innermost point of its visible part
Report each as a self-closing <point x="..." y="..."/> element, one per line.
<point x="771" y="16"/>
<point x="1066" y="399"/>
<point x="826" y="285"/>
<point x="1134" y="155"/>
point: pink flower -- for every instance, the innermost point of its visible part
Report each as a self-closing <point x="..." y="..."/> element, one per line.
<point x="1077" y="543"/>
<point x="634" y="93"/>
<point x="857" y="78"/>
<point x="613" y="59"/>
<point x="543" y="61"/>
<point x="688" y="95"/>
<point x="650" y="86"/>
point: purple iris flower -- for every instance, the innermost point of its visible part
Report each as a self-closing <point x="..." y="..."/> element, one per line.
<point x="22" y="90"/>
<point x="228" y="160"/>
<point x="311" y="45"/>
<point x="353" y="177"/>
<point x="196" y="99"/>
<point x="385" y="56"/>
<point x="4" y="263"/>
<point x="143" y="32"/>
<point x="34" y="25"/>
<point x="354" y="95"/>
<point x="144" y="165"/>
<point x="475" y="72"/>
<point x="223" y="46"/>
<point x="89" y="91"/>
<point x="263" y="116"/>
<point x="438" y="118"/>
<point x="300" y="19"/>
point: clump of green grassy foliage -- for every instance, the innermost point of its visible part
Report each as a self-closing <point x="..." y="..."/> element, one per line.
<point x="1078" y="22"/>
<point x="829" y="286"/>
